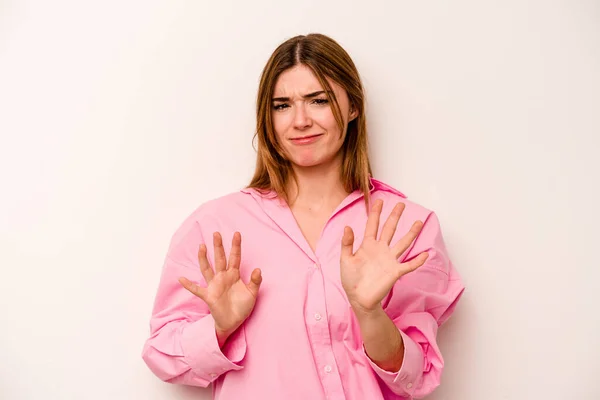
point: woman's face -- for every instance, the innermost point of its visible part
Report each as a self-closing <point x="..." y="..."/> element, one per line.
<point x="303" y="119"/>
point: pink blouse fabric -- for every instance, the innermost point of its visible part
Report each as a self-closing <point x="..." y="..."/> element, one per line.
<point x="302" y="340"/>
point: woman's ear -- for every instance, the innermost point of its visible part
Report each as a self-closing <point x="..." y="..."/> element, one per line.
<point x="353" y="113"/>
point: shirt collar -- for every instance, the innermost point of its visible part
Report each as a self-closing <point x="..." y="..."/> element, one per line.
<point x="374" y="185"/>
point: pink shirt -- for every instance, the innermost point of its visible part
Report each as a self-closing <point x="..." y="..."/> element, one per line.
<point x="302" y="340"/>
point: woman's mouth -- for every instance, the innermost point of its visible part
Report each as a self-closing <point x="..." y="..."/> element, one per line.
<point x="308" y="139"/>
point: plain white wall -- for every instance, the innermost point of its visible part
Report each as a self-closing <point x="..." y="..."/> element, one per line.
<point x="118" y="118"/>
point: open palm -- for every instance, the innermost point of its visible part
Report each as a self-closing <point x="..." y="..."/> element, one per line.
<point x="229" y="299"/>
<point x="369" y="274"/>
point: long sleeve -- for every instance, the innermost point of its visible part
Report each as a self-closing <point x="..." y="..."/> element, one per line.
<point x="418" y="304"/>
<point x="182" y="347"/>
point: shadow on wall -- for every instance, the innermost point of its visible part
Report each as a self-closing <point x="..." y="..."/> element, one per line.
<point x="456" y="339"/>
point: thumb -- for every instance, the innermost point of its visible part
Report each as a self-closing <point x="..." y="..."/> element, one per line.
<point x="255" y="281"/>
<point x="347" y="242"/>
<point x="193" y="288"/>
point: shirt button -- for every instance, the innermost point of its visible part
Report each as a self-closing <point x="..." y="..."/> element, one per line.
<point x="318" y="316"/>
<point x="316" y="265"/>
<point x="408" y="385"/>
<point x="213" y="375"/>
<point x="328" y="368"/>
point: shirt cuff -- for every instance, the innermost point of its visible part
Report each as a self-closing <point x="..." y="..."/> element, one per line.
<point x="203" y="354"/>
<point x="404" y="381"/>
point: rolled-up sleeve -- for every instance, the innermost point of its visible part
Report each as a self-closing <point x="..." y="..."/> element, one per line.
<point x="182" y="346"/>
<point x="418" y="304"/>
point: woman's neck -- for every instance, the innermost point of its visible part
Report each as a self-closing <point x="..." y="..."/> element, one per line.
<point x="317" y="188"/>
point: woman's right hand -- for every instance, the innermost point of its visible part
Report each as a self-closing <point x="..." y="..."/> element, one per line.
<point x="229" y="299"/>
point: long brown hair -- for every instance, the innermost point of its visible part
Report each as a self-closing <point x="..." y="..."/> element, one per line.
<point x="327" y="59"/>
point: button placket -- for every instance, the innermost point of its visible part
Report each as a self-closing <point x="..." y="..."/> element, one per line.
<point x="317" y="325"/>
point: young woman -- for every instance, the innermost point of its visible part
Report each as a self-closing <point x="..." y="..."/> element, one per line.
<point x="316" y="281"/>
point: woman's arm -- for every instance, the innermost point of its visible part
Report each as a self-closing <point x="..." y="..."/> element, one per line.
<point x="382" y="341"/>
<point x="401" y="290"/>
<point x="196" y="331"/>
<point x="183" y="346"/>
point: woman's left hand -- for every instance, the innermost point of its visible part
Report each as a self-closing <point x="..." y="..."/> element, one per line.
<point x="369" y="274"/>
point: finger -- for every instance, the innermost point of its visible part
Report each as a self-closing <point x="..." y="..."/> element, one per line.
<point x="220" y="260"/>
<point x="403" y="244"/>
<point x="391" y="224"/>
<point x="193" y="288"/>
<point x="373" y="220"/>
<point x="255" y="281"/>
<point x="205" y="268"/>
<point x="235" y="255"/>
<point x="413" y="264"/>
<point x="347" y="242"/>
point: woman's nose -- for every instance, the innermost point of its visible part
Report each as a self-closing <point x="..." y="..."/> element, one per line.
<point x="302" y="118"/>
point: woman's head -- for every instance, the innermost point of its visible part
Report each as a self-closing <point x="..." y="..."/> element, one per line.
<point x="310" y="113"/>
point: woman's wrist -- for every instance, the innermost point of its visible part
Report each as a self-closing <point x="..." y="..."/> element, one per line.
<point x="222" y="336"/>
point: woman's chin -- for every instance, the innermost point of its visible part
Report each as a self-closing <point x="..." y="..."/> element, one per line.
<point x="311" y="162"/>
<point x="307" y="162"/>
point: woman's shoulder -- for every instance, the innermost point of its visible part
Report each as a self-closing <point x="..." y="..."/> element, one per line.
<point x="226" y="205"/>
<point x="211" y="213"/>
<point x="390" y="194"/>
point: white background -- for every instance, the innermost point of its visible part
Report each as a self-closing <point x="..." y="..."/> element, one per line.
<point x="118" y="118"/>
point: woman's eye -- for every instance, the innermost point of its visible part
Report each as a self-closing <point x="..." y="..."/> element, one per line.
<point x="279" y="107"/>
<point x="321" y="101"/>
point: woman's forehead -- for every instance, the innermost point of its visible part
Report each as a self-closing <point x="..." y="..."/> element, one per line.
<point x="299" y="80"/>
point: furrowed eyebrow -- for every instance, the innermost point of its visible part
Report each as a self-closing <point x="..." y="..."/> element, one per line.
<point x="306" y="96"/>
